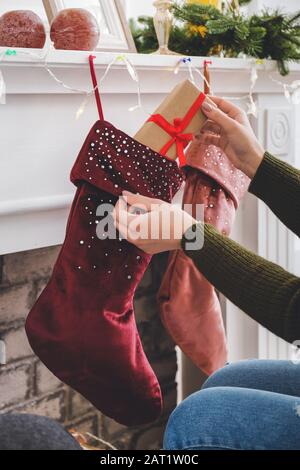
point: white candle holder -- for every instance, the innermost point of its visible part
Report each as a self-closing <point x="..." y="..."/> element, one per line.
<point x="163" y="22"/>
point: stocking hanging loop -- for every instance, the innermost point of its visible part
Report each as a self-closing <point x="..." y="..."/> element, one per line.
<point x="207" y="84"/>
<point x="96" y="87"/>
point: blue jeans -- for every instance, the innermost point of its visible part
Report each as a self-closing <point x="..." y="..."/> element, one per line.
<point x="249" y="405"/>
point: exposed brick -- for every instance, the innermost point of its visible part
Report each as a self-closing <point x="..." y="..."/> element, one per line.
<point x="15" y="384"/>
<point x="51" y="406"/>
<point x="45" y="380"/>
<point x="112" y="428"/>
<point x="14" y="303"/>
<point x="86" y="424"/>
<point x="29" y="265"/>
<point x="40" y="286"/>
<point x="77" y="405"/>
<point x="17" y="346"/>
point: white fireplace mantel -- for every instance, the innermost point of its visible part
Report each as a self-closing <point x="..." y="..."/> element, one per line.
<point x="40" y="136"/>
<point x="40" y="139"/>
<point x="26" y="74"/>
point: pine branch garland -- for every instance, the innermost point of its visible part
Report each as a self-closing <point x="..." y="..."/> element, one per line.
<point x="204" y="30"/>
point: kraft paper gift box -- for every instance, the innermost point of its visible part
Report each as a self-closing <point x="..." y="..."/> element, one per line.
<point x="175" y="122"/>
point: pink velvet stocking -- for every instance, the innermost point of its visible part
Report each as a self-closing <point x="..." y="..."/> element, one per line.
<point x="189" y="306"/>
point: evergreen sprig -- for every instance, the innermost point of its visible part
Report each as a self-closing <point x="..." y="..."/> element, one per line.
<point x="194" y="13"/>
<point x="268" y="35"/>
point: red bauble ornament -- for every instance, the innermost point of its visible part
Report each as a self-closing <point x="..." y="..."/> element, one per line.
<point x="75" y="29"/>
<point x="22" y="28"/>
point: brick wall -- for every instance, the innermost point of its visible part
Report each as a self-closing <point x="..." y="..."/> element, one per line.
<point x="27" y="386"/>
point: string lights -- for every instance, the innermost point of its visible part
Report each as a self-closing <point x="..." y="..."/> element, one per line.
<point x="290" y="91"/>
<point x="43" y="59"/>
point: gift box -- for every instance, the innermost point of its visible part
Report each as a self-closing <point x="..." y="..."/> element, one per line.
<point x="174" y="123"/>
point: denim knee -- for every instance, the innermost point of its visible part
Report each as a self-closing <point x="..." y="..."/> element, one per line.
<point x="234" y="418"/>
<point x="230" y="375"/>
<point x="192" y="424"/>
<point x="176" y="433"/>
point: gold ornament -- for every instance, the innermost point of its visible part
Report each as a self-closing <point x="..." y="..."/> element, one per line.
<point x="195" y="30"/>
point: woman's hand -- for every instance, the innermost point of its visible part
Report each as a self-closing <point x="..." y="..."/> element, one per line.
<point x="152" y="225"/>
<point x="228" y="128"/>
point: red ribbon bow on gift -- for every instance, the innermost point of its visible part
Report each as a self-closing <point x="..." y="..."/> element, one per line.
<point x="176" y="130"/>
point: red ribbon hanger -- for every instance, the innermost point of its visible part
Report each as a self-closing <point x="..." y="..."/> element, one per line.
<point x="176" y="130"/>
<point x="96" y="88"/>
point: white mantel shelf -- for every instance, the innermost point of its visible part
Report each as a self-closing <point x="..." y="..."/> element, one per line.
<point x="72" y="68"/>
<point x="80" y="58"/>
<point x="40" y="136"/>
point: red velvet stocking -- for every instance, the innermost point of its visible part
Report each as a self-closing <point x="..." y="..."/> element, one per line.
<point x="82" y="326"/>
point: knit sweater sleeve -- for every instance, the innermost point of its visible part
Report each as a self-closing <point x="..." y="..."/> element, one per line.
<point x="278" y="185"/>
<point x="263" y="290"/>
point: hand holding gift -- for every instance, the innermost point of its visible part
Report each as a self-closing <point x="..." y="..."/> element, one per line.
<point x="229" y="128"/>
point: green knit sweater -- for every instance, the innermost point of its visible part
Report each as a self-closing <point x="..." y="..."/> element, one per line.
<point x="263" y="290"/>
